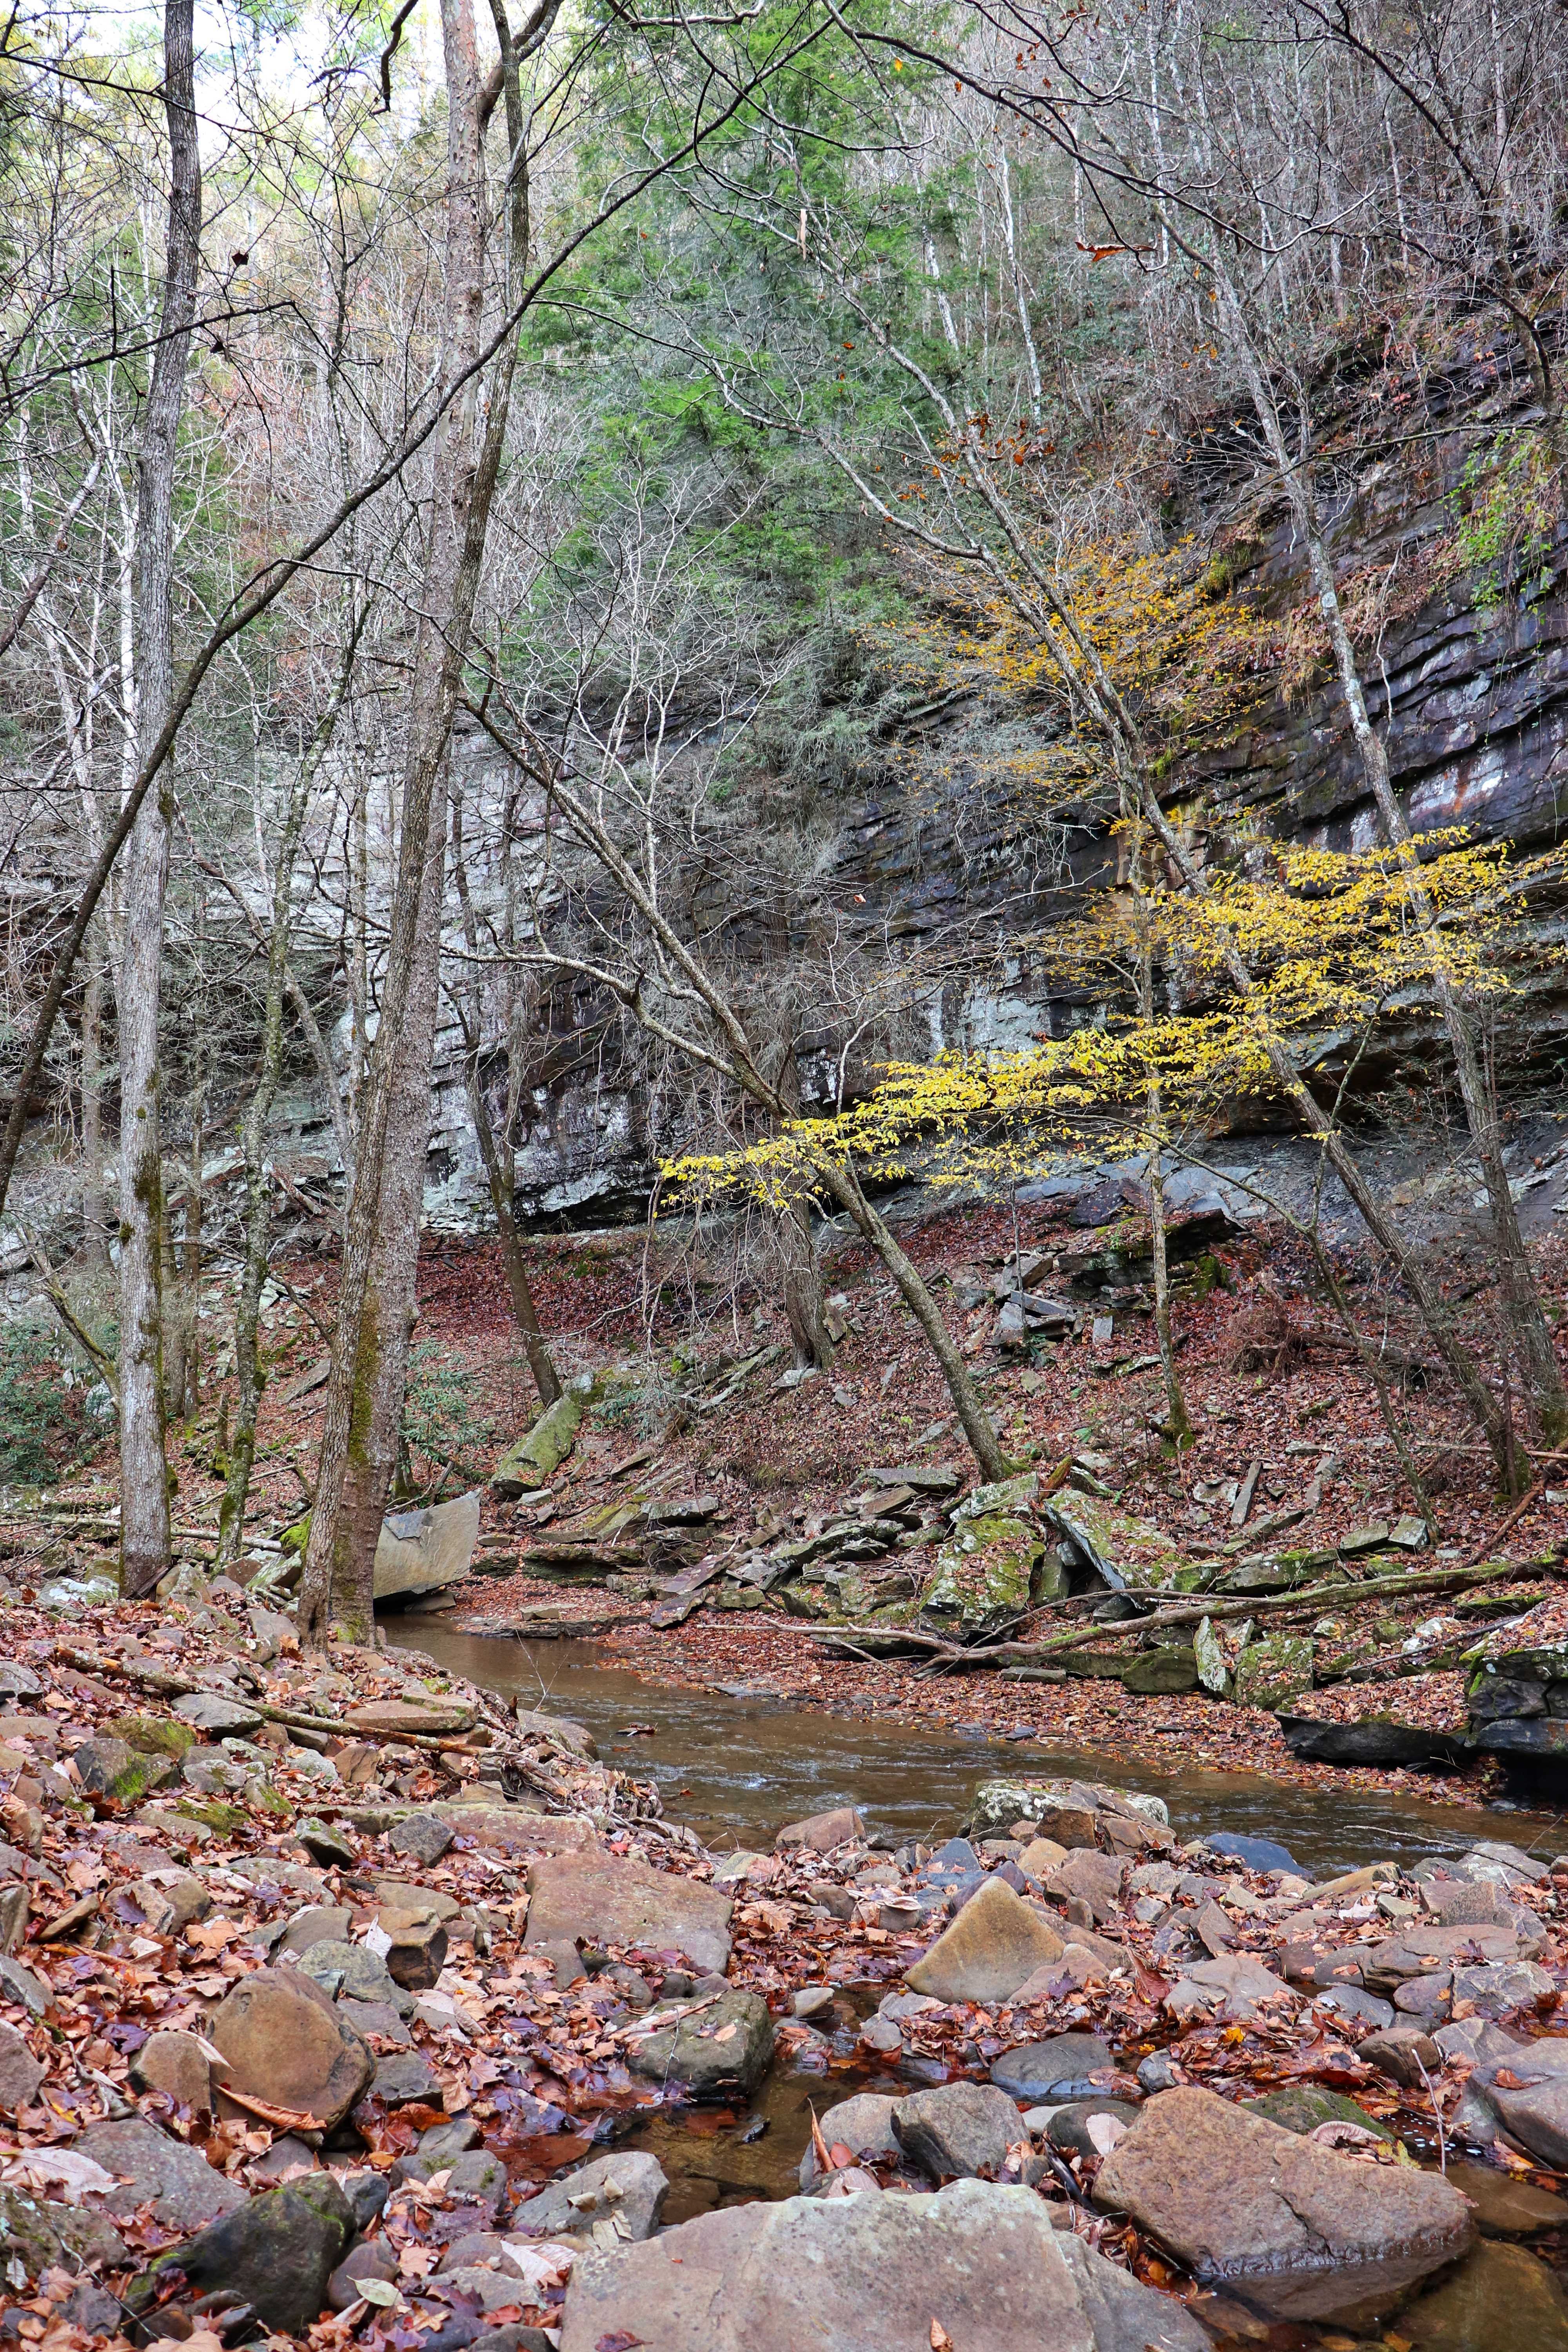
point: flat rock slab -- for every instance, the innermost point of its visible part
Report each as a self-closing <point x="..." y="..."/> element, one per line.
<point x="993" y="1947"/>
<point x="1058" y="2069"/>
<point x="628" y="2190"/>
<point x="389" y="1717"/>
<point x="519" y="1829"/>
<point x="185" y="2190"/>
<point x="597" y="1898"/>
<point x="1301" y="2232"/>
<point x="1420" y="1951"/>
<point x="708" y="2048"/>
<point x="1236" y="1988"/>
<point x="866" y="2273"/>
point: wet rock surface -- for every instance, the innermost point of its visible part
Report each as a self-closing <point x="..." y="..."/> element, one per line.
<point x="1303" y="2231"/>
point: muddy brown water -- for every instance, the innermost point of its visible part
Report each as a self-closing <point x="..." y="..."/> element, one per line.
<point x="736" y="1763"/>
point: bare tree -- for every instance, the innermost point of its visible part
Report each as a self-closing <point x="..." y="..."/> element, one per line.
<point x="145" y="1488"/>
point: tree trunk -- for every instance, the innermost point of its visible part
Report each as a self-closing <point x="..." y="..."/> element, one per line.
<point x="1178" y="1423"/>
<point x="497" y="1175"/>
<point x="144" y="1489"/>
<point x="248" y="1379"/>
<point x="984" y="1444"/>
<point x="94" y="1208"/>
<point x="376" y="1297"/>
<point x="802" y="1290"/>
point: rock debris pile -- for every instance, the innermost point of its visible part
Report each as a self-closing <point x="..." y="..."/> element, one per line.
<point x="336" y="2000"/>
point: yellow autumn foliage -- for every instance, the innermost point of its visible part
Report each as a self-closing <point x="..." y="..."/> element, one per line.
<point x="1333" y="941"/>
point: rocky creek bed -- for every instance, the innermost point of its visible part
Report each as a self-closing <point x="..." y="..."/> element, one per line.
<point x="345" y="2000"/>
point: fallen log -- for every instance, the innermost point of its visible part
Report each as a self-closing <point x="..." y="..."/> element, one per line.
<point x="947" y="1656"/>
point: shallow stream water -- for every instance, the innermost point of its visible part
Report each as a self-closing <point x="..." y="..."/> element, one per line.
<point x="736" y="1764"/>
<point x="736" y="1767"/>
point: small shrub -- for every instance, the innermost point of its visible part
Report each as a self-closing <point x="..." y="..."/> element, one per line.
<point x="45" y="1427"/>
<point x="1266" y="1338"/>
<point x="439" y="1416"/>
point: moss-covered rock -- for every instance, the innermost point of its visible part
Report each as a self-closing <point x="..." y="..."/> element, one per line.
<point x="1272" y="1673"/>
<point x="152" y="1735"/>
<point x="1302" y="2107"/>
<point x="223" y="1821"/>
<point x="991" y="1568"/>
<point x="1158" y="1673"/>
<point x="1121" y="1548"/>
<point x="538" y="1455"/>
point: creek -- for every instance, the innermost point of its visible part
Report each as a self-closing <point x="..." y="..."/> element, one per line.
<point x="735" y="1763"/>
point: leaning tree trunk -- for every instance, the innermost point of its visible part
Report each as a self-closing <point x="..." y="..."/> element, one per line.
<point x="143" y="1470"/>
<point x="376" y="1302"/>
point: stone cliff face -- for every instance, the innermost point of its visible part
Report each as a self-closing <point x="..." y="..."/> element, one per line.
<point x="1452" y="556"/>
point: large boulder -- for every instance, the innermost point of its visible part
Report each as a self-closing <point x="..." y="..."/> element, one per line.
<point x="283" y="2040"/>
<point x="862" y="2273"/>
<point x="420" y="1551"/>
<point x="598" y="1898"/>
<point x="183" y="2189"/>
<point x="707" y="2048"/>
<point x="959" y="2129"/>
<point x="536" y="1457"/>
<point x="1298" y="2230"/>
<point x="1273" y="1672"/>
<point x="1371" y="1739"/>
<point x="275" y="2251"/>
<point x="993" y="1947"/>
<point x="988" y="1573"/>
